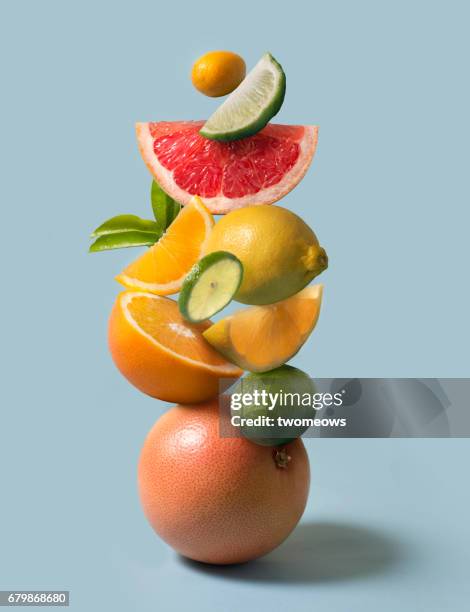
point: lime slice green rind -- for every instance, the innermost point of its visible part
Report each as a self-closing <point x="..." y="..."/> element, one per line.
<point x="251" y="105"/>
<point x="210" y="286"/>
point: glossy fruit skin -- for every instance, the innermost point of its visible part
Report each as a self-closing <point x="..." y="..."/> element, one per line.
<point x="279" y="252"/>
<point x="215" y="499"/>
<point x="218" y="73"/>
<point x="153" y="370"/>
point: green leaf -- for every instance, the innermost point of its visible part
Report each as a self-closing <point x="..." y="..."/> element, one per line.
<point x="123" y="240"/>
<point x="125" y="223"/>
<point x="165" y="209"/>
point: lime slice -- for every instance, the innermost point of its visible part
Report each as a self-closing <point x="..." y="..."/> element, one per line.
<point x="210" y="286"/>
<point x="251" y="105"/>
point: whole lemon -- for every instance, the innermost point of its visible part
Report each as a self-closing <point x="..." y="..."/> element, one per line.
<point x="218" y="73"/>
<point x="279" y="252"/>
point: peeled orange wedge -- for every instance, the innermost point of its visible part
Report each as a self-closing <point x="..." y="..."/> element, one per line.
<point x="164" y="266"/>
<point x="162" y="354"/>
<point x="261" y="338"/>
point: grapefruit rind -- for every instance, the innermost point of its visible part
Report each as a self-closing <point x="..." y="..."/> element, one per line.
<point x="221" y="204"/>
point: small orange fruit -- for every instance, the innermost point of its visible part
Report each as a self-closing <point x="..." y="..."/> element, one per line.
<point x="163" y="267"/>
<point x="218" y="73"/>
<point x="219" y="499"/>
<point x="162" y="354"/>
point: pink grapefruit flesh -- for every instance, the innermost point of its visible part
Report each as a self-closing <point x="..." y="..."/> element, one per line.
<point x="260" y="169"/>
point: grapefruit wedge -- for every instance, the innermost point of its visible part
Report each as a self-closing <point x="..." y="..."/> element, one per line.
<point x="259" y="169"/>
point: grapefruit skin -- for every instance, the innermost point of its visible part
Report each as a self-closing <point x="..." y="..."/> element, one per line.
<point x="218" y="500"/>
<point x="259" y="169"/>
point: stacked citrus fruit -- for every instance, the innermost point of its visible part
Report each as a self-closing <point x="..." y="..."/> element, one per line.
<point x="218" y="499"/>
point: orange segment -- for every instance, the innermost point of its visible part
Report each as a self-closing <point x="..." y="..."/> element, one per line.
<point x="163" y="267"/>
<point x="163" y="355"/>
<point x="261" y="338"/>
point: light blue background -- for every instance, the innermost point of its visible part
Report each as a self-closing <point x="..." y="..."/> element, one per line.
<point x="388" y="195"/>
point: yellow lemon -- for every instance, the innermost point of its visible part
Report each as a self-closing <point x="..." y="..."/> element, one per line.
<point x="279" y="252"/>
<point x="218" y="73"/>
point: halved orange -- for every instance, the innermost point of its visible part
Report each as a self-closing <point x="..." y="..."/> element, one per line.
<point x="262" y="338"/>
<point x="164" y="266"/>
<point x="162" y="354"/>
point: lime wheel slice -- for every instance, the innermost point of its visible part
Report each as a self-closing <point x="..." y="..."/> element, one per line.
<point x="210" y="286"/>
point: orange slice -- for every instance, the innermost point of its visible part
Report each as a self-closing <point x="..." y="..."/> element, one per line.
<point x="262" y="338"/>
<point x="162" y="354"/>
<point x="163" y="267"/>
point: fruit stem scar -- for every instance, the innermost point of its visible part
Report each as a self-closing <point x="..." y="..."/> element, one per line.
<point x="315" y="259"/>
<point x="281" y="458"/>
<point x="213" y="284"/>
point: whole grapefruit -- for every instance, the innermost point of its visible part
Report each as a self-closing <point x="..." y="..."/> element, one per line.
<point x="217" y="499"/>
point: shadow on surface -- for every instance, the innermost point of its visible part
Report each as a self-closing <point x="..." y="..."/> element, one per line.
<point x="316" y="552"/>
